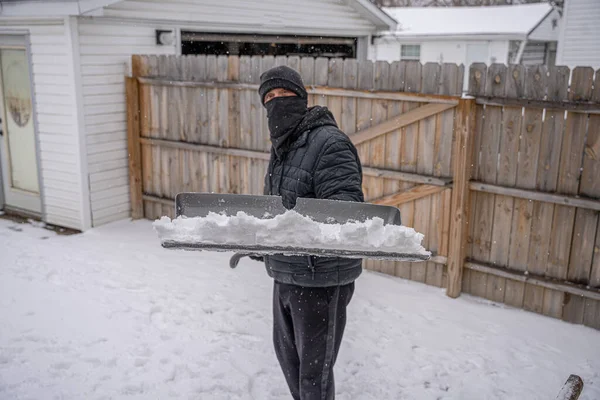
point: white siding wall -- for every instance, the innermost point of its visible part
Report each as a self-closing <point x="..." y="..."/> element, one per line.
<point x="547" y="31"/>
<point x="499" y="51"/>
<point x="106" y="50"/>
<point x="448" y="52"/>
<point x="385" y="51"/>
<point x="439" y="51"/>
<point x="579" y="43"/>
<point x="278" y="16"/>
<point x="55" y="104"/>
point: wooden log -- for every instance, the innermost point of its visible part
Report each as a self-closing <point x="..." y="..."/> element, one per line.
<point x="464" y="128"/>
<point x="572" y="389"/>
<point x="133" y="146"/>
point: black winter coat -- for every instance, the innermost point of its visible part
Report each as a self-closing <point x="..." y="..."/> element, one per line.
<point x="319" y="162"/>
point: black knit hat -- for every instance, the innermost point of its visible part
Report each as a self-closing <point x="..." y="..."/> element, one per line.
<point x="281" y="77"/>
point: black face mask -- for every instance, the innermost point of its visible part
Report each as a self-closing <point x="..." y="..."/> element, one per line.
<point x="284" y="115"/>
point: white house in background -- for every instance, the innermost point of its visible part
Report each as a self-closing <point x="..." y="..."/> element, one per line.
<point x="579" y="43"/>
<point x="63" y="151"/>
<point x="525" y="34"/>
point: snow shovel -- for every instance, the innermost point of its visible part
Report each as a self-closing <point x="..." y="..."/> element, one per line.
<point x="326" y="212"/>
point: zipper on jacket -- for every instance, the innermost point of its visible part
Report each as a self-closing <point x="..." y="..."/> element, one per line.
<point x="311" y="266"/>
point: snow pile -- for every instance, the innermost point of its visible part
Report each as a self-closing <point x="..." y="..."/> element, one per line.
<point x="291" y="229"/>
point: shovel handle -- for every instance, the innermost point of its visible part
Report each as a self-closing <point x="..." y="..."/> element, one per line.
<point x="235" y="259"/>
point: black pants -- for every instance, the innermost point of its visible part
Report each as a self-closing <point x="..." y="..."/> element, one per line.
<point x="308" y="325"/>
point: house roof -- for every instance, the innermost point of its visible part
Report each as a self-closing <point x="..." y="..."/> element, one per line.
<point x="59" y="8"/>
<point x="516" y="20"/>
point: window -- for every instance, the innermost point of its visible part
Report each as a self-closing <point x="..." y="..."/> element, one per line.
<point x="410" y="52"/>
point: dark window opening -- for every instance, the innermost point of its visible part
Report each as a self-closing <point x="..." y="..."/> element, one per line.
<point x="263" y="45"/>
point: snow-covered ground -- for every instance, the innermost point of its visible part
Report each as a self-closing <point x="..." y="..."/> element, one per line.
<point x="109" y="314"/>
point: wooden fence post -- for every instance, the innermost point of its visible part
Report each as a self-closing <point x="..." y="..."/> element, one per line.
<point x="459" y="210"/>
<point x="133" y="146"/>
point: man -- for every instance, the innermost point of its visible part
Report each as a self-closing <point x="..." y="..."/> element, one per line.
<point x="310" y="157"/>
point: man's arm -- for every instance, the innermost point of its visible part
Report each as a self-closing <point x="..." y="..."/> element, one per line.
<point x="338" y="175"/>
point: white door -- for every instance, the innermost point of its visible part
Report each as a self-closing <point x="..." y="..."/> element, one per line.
<point x="18" y="155"/>
<point x="476" y="53"/>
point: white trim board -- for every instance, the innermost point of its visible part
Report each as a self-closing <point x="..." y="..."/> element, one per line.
<point x="72" y="31"/>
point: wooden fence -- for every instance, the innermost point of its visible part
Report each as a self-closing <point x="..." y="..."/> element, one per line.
<point x="535" y="190"/>
<point x="196" y="124"/>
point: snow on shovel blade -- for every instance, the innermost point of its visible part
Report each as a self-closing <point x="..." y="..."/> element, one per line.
<point x="261" y="225"/>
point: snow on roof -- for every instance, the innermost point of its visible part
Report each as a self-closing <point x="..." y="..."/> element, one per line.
<point x="517" y="20"/>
